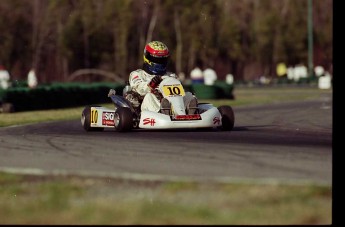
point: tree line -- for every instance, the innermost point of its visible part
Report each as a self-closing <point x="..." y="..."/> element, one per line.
<point x="246" y="38"/>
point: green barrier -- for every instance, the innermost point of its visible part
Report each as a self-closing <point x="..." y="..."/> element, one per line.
<point x="19" y="83"/>
<point x="59" y="95"/>
<point x="220" y="90"/>
<point x="2" y="94"/>
<point x="18" y="96"/>
<point x="225" y="90"/>
<point x="205" y="92"/>
<point x="303" y="81"/>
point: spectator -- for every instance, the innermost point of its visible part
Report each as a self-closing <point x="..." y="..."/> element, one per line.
<point x="229" y="78"/>
<point x="301" y="71"/>
<point x="264" y="80"/>
<point x="196" y="76"/>
<point x="210" y="76"/>
<point x="325" y="81"/>
<point x="32" y="79"/>
<point x="319" y="71"/>
<point x="281" y="69"/>
<point x="4" y="78"/>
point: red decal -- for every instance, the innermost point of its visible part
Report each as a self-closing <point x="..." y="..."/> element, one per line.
<point x="150" y="121"/>
<point x="134" y="77"/>
<point x="186" y="117"/>
<point x="108" y="118"/>
<point x="216" y="120"/>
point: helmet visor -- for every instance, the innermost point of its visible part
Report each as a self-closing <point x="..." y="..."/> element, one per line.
<point x="156" y="59"/>
<point x="155" y="68"/>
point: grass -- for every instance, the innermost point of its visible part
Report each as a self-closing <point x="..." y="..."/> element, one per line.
<point x="29" y="199"/>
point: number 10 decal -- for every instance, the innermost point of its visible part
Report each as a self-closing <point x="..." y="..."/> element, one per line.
<point x="173" y="90"/>
<point x="94" y="116"/>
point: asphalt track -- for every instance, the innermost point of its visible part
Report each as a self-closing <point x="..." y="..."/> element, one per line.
<point x="281" y="142"/>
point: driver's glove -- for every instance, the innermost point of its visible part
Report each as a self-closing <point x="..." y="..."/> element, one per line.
<point x="132" y="99"/>
<point x="155" y="81"/>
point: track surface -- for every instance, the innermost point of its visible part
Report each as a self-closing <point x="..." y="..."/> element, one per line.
<point x="290" y="142"/>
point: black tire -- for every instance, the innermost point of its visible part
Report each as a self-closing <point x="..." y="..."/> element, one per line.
<point x="86" y="120"/>
<point x="123" y="119"/>
<point x="228" y="117"/>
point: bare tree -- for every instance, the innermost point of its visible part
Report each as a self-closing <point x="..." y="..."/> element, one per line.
<point x="178" y="41"/>
<point x="153" y="21"/>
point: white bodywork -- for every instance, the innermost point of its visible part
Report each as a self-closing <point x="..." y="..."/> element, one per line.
<point x="210" y="118"/>
<point x="103" y="117"/>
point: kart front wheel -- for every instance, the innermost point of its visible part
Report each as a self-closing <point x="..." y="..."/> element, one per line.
<point x="123" y="119"/>
<point x="228" y="117"/>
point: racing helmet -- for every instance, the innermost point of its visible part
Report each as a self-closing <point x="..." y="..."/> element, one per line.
<point x="156" y="55"/>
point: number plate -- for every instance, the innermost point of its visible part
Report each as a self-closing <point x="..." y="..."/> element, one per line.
<point x="173" y="90"/>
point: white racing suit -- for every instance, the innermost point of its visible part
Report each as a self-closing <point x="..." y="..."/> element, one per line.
<point x="139" y="81"/>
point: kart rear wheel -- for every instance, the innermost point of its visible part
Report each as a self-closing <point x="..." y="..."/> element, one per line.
<point x="123" y="119"/>
<point x="86" y="120"/>
<point x="228" y="117"/>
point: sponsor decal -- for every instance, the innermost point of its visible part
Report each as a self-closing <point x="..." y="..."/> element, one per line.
<point x="186" y="117"/>
<point x="149" y="121"/>
<point x="216" y="121"/>
<point x="108" y="118"/>
<point x="135" y="78"/>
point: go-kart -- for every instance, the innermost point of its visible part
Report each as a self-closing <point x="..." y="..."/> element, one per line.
<point x="125" y="117"/>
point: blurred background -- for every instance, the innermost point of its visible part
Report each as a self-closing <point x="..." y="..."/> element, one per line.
<point x="247" y="39"/>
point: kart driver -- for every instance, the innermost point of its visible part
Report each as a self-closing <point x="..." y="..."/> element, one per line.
<point x="144" y="81"/>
